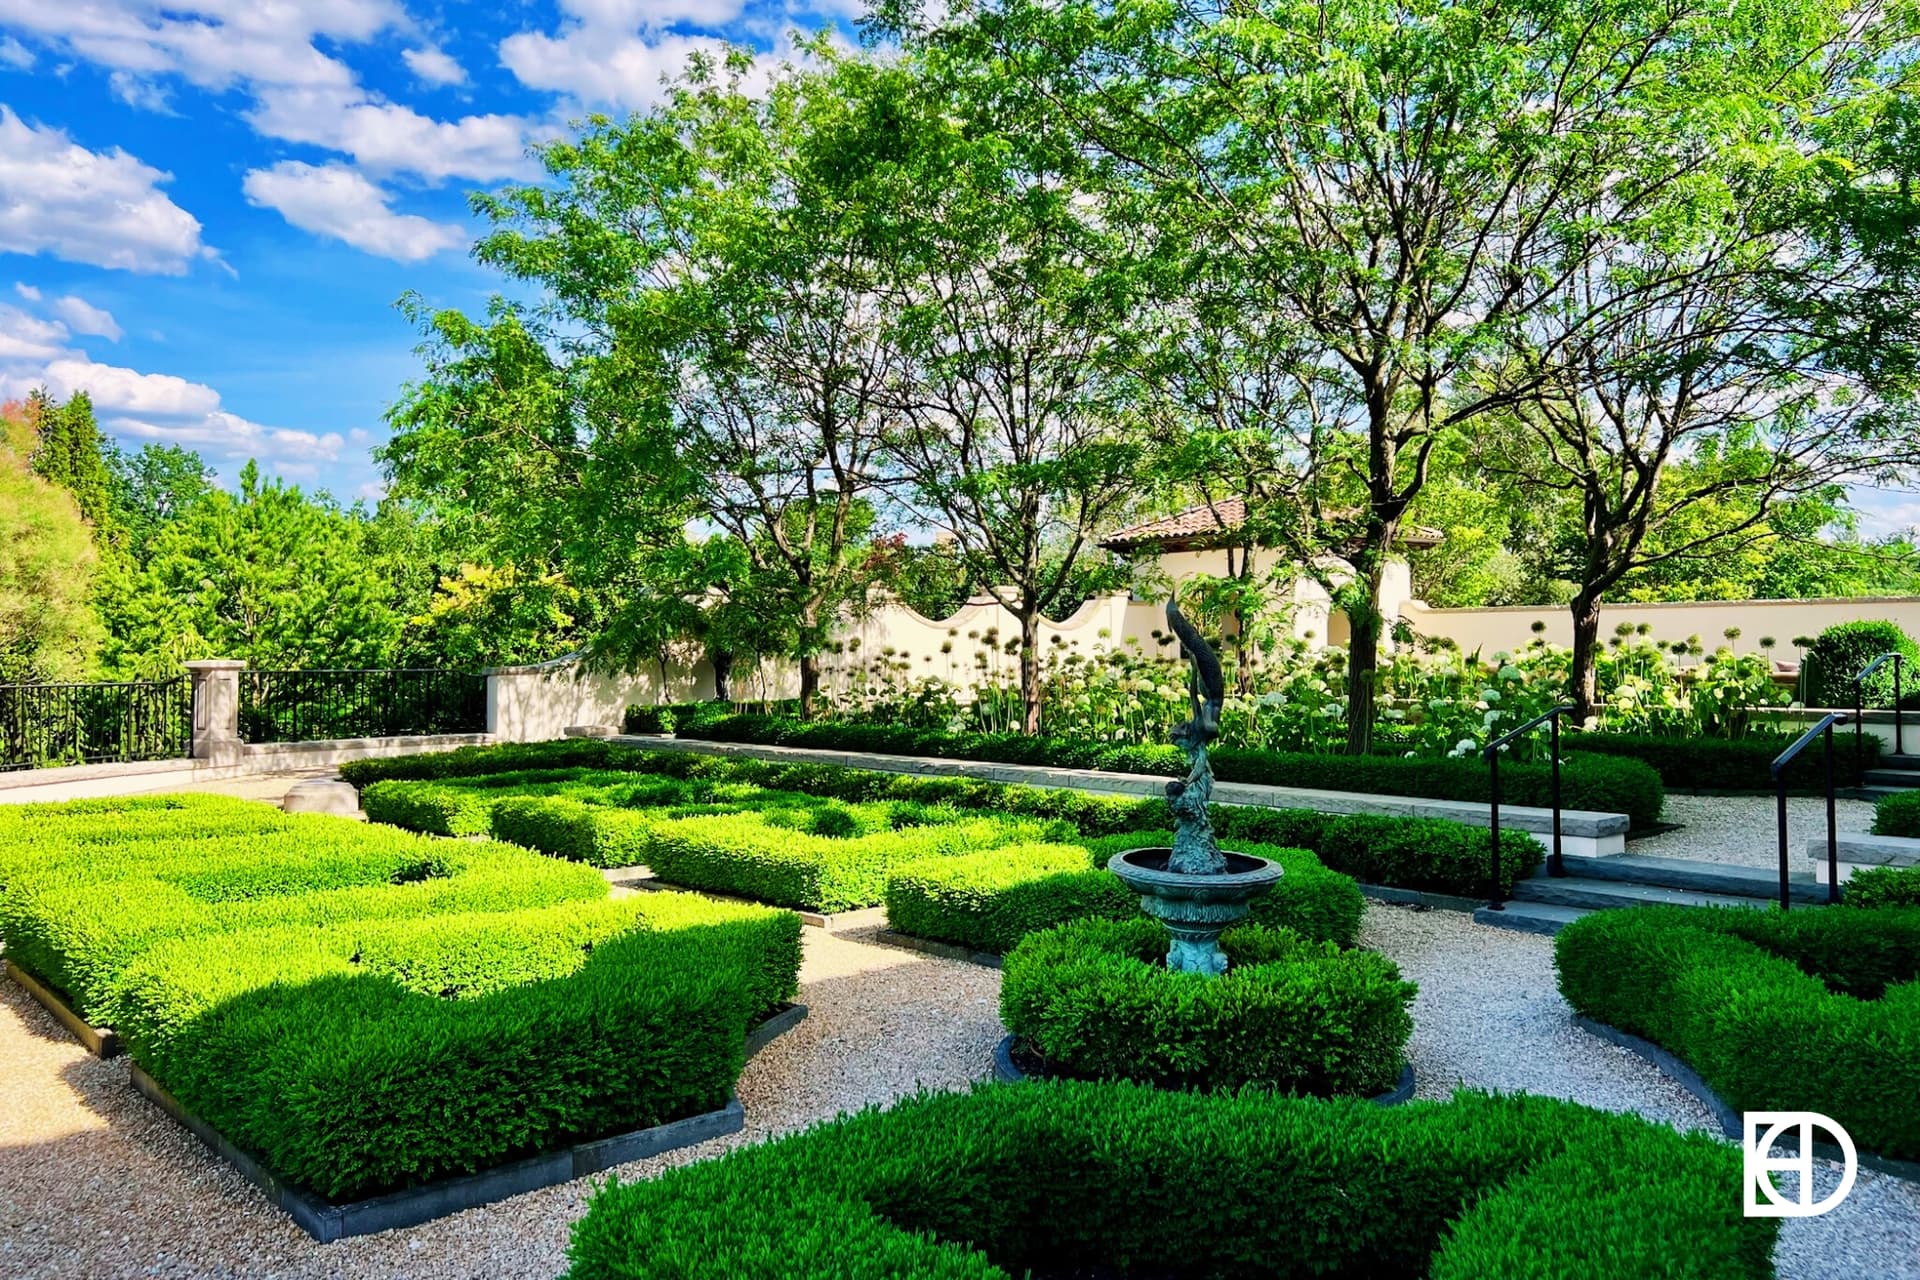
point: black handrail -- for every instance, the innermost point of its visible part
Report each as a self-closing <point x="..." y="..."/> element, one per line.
<point x="1860" y="710"/>
<point x="1556" y="863"/>
<point x="1822" y="728"/>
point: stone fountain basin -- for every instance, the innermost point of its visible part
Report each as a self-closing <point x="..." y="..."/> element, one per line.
<point x="1145" y="872"/>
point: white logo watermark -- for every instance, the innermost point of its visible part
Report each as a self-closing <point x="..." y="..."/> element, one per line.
<point x="1762" y="1198"/>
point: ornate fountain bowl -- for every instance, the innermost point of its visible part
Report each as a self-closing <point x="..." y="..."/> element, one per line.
<point x="1196" y="909"/>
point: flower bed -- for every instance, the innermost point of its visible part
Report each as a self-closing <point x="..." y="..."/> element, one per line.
<point x="1808" y="1010"/>
<point x="1112" y="1179"/>
<point x="1094" y="999"/>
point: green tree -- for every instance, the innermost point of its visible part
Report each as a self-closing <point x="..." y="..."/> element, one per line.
<point x="152" y="486"/>
<point x="268" y="575"/>
<point x="48" y="629"/>
<point x="71" y="453"/>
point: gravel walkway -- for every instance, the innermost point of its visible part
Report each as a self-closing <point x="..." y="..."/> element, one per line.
<point x="94" y="1182"/>
<point x="1490" y="1016"/>
<point x="1744" y="829"/>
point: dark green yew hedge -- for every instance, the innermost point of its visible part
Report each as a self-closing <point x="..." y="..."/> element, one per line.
<point x="1732" y="764"/>
<point x="1604" y="783"/>
<point x="373" y="1055"/>
<point x="1883" y="887"/>
<point x="990" y="900"/>
<point x="1799" y="1011"/>
<point x="1897" y="815"/>
<point x="1094" y="1000"/>
<point x="1115" y="1179"/>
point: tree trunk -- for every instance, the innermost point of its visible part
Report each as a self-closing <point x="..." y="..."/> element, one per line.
<point x="1030" y="670"/>
<point x="809" y="684"/>
<point x="1582" y="678"/>
<point x="1363" y="649"/>
<point x="722" y="660"/>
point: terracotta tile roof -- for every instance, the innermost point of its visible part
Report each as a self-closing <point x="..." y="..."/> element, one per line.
<point x="1202" y="527"/>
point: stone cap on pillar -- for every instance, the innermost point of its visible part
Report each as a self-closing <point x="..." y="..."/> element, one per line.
<point x="216" y="664"/>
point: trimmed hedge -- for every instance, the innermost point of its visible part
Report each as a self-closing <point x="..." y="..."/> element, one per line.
<point x="79" y="914"/>
<point x="1897" y="815"/>
<point x="1115" y="1179"/>
<point x="740" y="854"/>
<point x="1809" y="1011"/>
<point x="1095" y="1000"/>
<point x="672" y="717"/>
<point x="1604" y="783"/>
<point x="369" y="1056"/>
<point x="990" y="900"/>
<point x="1734" y="764"/>
<point x="1842" y="652"/>
<point x="1883" y="887"/>
<point x="429" y="807"/>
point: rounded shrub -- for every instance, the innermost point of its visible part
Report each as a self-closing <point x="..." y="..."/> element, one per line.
<point x="1897" y="815"/>
<point x="1842" y="651"/>
<point x="1081" y="1179"/>
<point x="1094" y="999"/>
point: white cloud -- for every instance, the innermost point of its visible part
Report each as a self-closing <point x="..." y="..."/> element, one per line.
<point x="82" y="316"/>
<point x="27" y="291"/>
<point x="14" y="54"/>
<point x="139" y="92"/>
<point x="101" y="208"/>
<point x="434" y="66"/>
<point x="389" y="138"/>
<point x="334" y="200"/>
<point x="147" y="406"/>
<point x="600" y="68"/>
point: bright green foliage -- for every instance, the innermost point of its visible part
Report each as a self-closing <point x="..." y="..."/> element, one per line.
<point x="990" y="900"/>
<point x="1094" y="999"/>
<point x="77" y="910"/>
<point x="69" y="452"/>
<point x="1883" y="887"/>
<point x="151" y="488"/>
<point x="1897" y="815"/>
<point x="336" y="1053"/>
<point x="1076" y="1178"/>
<point x="1806" y="1011"/>
<point x="1841" y="652"/>
<point x="48" y="630"/>
<point x="424" y="806"/>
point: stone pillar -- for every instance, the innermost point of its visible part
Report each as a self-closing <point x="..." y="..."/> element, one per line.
<point x="216" y="710"/>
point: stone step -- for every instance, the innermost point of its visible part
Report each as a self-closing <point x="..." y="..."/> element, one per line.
<point x="1875" y="792"/>
<point x="1719" y="878"/>
<point x="1529" y="917"/>
<point x="1602" y="895"/>
<point x="1894" y="760"/>
<point x="1904" y="778"/>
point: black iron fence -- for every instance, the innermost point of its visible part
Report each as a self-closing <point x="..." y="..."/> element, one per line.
<point x="43" y="725"/>
<point x="313" y="706"/>
<point x="1556" y="857"/>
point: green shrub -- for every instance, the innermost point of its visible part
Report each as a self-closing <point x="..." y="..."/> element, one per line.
<point x="740" y="854"/>
<point x="1114" y="1179"/>
<point x="669" y="717"/>
<point x="78" y="924"/>
<point x="1604" y="783"/>
<point x="428" y="807"/>
<point x="1776" y="1011"/>
<point x="336" y="1054"/>
<point x="1897" y="815"/>
<point x="429" y="766"/>
<point x="1734" y="764"/>
<point x="1883" y="887"/>
<point x="1842" y="652"/>
<point x="1095" y="1000"/>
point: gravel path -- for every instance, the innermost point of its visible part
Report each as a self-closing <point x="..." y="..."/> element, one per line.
<point x="95" y="1182"/>
<point x="1490" y="1016"/>
<point x="1744" y="829"/>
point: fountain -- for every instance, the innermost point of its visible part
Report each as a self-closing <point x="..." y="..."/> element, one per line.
<point x="1195" y="888"/>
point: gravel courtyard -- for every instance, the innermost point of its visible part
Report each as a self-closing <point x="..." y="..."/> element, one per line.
<point x="1744" y="829"/>
<point x="95" y="1182"/>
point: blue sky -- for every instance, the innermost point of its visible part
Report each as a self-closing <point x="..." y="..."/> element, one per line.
<point x="208" y="208"/>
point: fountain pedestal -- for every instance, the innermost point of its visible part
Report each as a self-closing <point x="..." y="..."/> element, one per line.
<point x="1196" y="909"/>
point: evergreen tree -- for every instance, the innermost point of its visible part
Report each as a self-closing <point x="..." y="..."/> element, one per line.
<point x="70" y="453"/>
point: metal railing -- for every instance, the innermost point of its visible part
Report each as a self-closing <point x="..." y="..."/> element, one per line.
<point x="111" y="722"/>
<point x="1556" y="861"/>
<point x="316" y="706"/>
<point x="1822" y="729"/>
<point x="1860" y="710"/>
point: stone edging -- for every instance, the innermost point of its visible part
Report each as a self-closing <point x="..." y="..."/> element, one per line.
<point x="327" y="1221"/>
<point x="1729" y="1120"/>
<point x="101" y="1042"/>
<point x="1009" y="1072"/>
<point x="945" y="950"/>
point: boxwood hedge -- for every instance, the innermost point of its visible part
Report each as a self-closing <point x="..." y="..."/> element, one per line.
<point x="1605" y="783"/>
<point x="1883" y="887"/>
<point x="1807" y="1010"/>
<point x="76" y="914"/>
<point x="371" y="1055"/>
<point x="1095" y="1000"/>
<point x="1897" y="815"/>
<point x="988" y="901"/>
<point x="1117" y="1179"/>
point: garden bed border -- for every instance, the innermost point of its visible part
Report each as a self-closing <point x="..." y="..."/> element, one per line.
<point x="1006" y="1070"/>
<point x="101" y="1042"/>
<point x="327" y="1221"/>
<point x="1673" y="1066"/>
